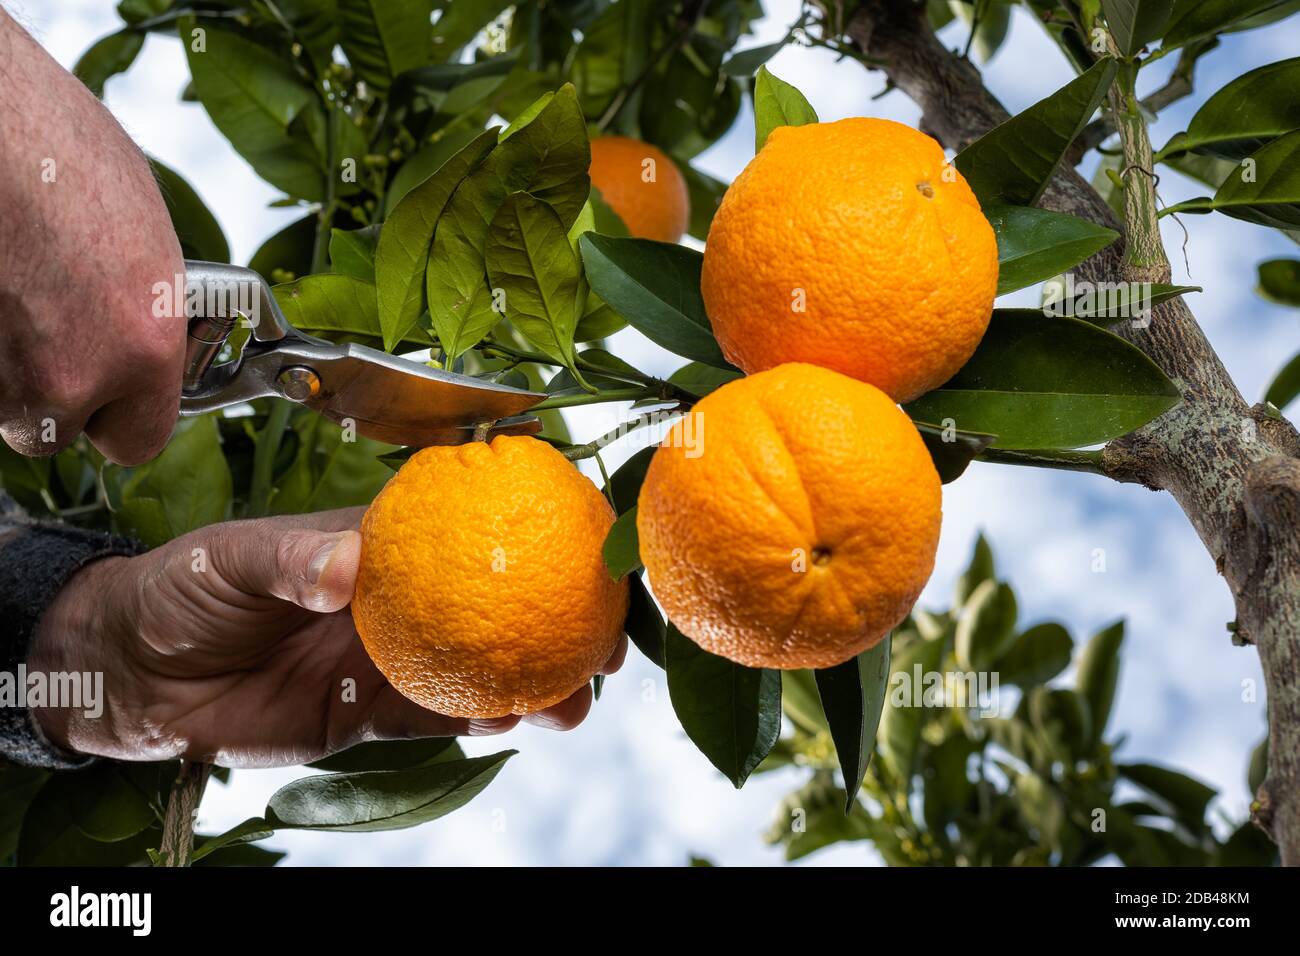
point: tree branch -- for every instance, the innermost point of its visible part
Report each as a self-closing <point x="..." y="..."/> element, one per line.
<point x="1232" y="469"/>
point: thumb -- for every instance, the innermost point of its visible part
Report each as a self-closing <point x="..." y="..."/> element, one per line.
<point x="316" y="570"/>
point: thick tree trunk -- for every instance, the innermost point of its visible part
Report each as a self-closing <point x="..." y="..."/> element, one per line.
<point x="1233" y="468"/>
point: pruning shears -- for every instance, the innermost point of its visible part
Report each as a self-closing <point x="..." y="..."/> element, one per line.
<point x="389" y="399"/>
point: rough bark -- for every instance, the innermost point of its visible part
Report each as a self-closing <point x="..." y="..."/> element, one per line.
<point x="1234" y="469"/>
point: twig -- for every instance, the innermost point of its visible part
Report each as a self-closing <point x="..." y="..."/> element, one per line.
<point x="182" y="805"/>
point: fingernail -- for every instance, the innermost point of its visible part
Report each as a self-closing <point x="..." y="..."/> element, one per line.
<point x="321" y="559"/>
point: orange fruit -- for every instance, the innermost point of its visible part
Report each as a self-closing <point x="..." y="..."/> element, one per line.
<point x="791" y="519"/>
<point x="855" y="246"/>
<point x="642" y="185"/>
<point x="482" y="590"/>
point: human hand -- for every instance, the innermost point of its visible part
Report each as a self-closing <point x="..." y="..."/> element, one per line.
<point x="244" y="663"/>
<point x="84" y="238"/>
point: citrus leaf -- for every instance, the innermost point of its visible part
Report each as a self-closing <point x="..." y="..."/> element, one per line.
<point x="987" y="626"/>
<point x="335" y="307"/>
<point x="460" y="22"/>
<point x="852" y="697"/>
<point x="900" y="724"/>
<point x="777" y="103"/>
<point x="730" y="712"/>
<point x="1194" y="19"/>
<point x="1135" y="23"/>
<point x="250" y="831"/>
<point x="644" y="625"/>
<point x="50" y="836"/>
<point x="1037" y="655"/>
<point x="111" y="802"/>
<point x="529" y="260"/>
<point x="383" y="38"/>
<point x="745" y="62"/>
<point x="1098" y="675"/>
<point x="1285" y="385"/>
<point x="1038" y="382"/>
<point x="656" y="287"/>
<point x="952" y="450"/>
<point x="622" y="549"/>
<point x="1248" y="113"/>
<point x="382" y="799"/>
<point x="700" y="379"/>
<point x="197" y="229"/>
<point x="704" y="193"/>
<point x="1106" y="306"/>
<point x="1266" y="189"/>
<point x="1035" y="244"/>
<point x="980" y="569"/>
<point x="402" y="255"/>
<point x="1012" y="163"/>
<point x="289" y="250"/>
<point x="254" y="97"/>
<point x="352" y="252"/>
<point x="330" y="468"/>
<point x="391" y="755"/>
<point x="108" y="57"/>
<point x="1279" y="281"/>
<point x="1185" y="796"/>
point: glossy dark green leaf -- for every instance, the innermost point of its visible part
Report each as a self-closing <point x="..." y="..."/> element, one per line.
<point x="187" y="486"/>
<point x="1266" y="188"/>
<point x="777" y="103"/>
<point x="289" y="250"/>
<point x="1248" y="113"/>
<point x="981" y="568"/>
<point x="1194" y="19"/>
<point x="1012" y="164"/>
<point x="402" y="255"/>
<point x="249" y="831"/>
<point x="391" y="755"/>
<point x="352" y="252"/>
<point x="254" y="97"/>
<point x="331" y="468"/>
<point x="1038" y="654"/>
<point x="383" y="38"/>
<point x="1036" y="382"/>
<point x="1117" y="303"/>
<point x="1135" y="23"/>
<point x="530" y="261"/>
<point x="987" y="625"/>
<point x="700" y="379"/>
<point x="1186" y="796"/>
<point x="656" y="287"/>
<point x="382" y="799"/>
<point x="1279" y="281"/>
<point x="622" y="550"/>
<point x="644" y="625"/>
<point x="730" y="712"/>
<point x="1285" y="385"/>
<point x="745" y="62"/>
<point x="852" y="697"/>
<point x="952" y="450"/>
<point x="625" y="483"/>
<point x="1035" y="244"/>
<point x="197" y="229"/>
<point x="1098" y="675"/>
<point x="336" y="307"/>
<point x="108" y="57"/>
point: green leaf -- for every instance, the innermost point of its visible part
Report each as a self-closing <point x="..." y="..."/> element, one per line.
<point x="625" y="483"/>
<point x="1279" y="281"/>
<point x="529" y="260"/>
<point x="1135" y="23"/>
<point x="777" y="103"/>
<point x="391" y="755"/>
<point x="337" y="307"/>
<point x="1248" y="113"/>
<point x="987" y="626"/>
<point x="656" y="287"/>
<point x="1013" y="162"/>
<point x="705" y="194"/>
<point x="1106" y="306"/>
<point x="745" y="62"/>
<point x="460" y="22"/>
<point x="50" y="835"/>
<point x="952" y="450"/>
<point x="1098" y="674"/>
<point x="1037" y="655"/>
<point x="547" y="158"/>
<point x="991" y="20"/>
<point x="615" y="49"/>
<point x="186" y="487"/>
<point x="852" y="696"/>
<point x="644" y="625"/>
<point x="402" y="255"/>
<point x="1035" y="244"/>
<point x="700" y="379"/>
<point x="197" y="229"/>
<point x="622" y="550"/>
<point x="352" y="252"/>
<point x="1285" y="385"/>
<point x="254" y="97"/>
<point x="250" y="831"/>
<point x="289" y="250"/>
<point x="1038" y="382"/>
<point x="111" y="802"/>
<point x="900" y="724"/>
<point x="108" y="57"/>
<point x="730" y="712"/>
<point x="426" y="161"/>
<point x="1266" y="189"/>
<point x="382" y="799"/>
<point x="1194" y="19"/>
<point x="1187" y="797"/>
<point x="331" y="468"/>
<point x="800" y="702"/>
<point x="383" y="38"/>
<point x="980" y="569"/>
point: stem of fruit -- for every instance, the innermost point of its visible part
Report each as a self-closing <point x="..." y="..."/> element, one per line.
<point x="182" y="804"/>
<point x="598" y="398"/>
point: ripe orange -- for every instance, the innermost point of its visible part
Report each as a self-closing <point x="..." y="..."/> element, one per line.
<point x="482" y="590"/>
<point x="642" y="185"/>
<point x="855" y="246"/>
<point x="791" y="519"/>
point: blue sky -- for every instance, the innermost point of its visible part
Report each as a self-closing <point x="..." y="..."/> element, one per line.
<point x="627" y="787"/>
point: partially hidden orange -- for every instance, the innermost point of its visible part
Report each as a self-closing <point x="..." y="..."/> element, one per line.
<point x="643" y="185"/>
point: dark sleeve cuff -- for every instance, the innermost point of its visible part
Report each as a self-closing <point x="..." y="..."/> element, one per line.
<point x="36" y="560"/>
